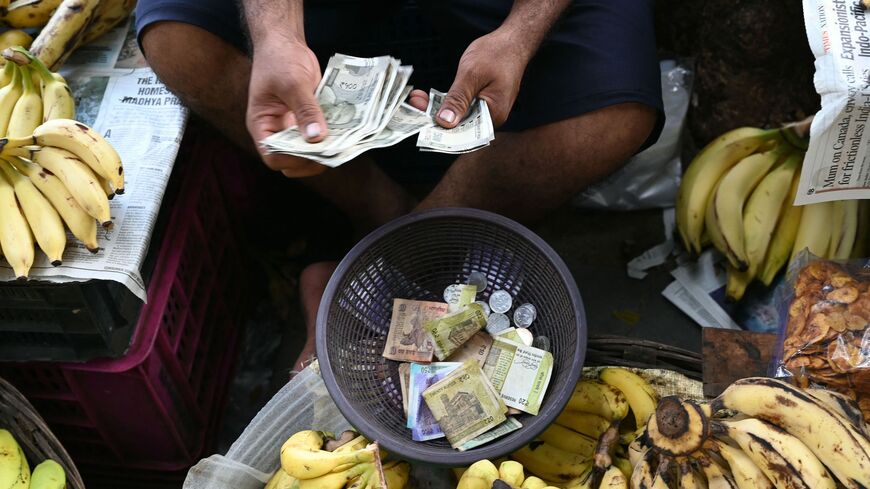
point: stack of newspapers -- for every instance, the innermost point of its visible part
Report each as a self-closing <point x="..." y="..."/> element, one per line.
<point x="363" y="103"/>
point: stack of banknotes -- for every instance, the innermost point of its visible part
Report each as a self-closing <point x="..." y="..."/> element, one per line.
<point x="466" y="371"/>
<point x="363" y="103"/>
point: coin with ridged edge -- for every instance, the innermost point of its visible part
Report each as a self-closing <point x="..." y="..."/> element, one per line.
<point x="525" y="315"/>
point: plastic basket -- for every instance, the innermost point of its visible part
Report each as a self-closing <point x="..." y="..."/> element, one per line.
<point x="152" y="408"/>
<point x="416" y="257"/>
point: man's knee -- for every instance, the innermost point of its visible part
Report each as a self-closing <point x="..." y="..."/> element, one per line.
<point x="610" y="135"/>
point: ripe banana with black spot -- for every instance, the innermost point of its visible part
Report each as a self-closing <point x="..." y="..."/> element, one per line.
<point x="16" y="239"/>
<point x="717" y="478"/>
<point x="786" y="461"/>
<point x="78" y="179"/>
<point x="14" y="470"/>
<point x="746" y="474"/>
<point x="842" y="406"/>
<point x="63" y="31"/>
<point x="551" y="463"/>
<point x="23" y="14"/>
<point x="613" y="478"/>
<point x="306" y="463"/>
<point x="640" y="395"/>
<point x="842" y="448"/>
<point x="587" y="424"/>
<point x="80" y="223"/>
<point x="80" y="140"/>
<point x="687" y="476"/>
<point x="704" y="171"/>
<point x="109" y="13"/>
<point x="41" y="216"/>
<point x="592" y="396"/>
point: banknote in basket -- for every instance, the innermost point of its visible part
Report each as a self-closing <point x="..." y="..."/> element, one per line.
<point x="408" y="340"/>
<point x="404" y="380"/>
<point x="477" y="348"/>
<point x="452" y="331"/>
<point x="420" y="419"/>
<point x="464" y="405"/>
<point x="510" y="425"/>
<point x="520" y="373"/>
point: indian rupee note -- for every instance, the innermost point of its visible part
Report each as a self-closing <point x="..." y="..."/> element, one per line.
<point x="510" y="425"/>
<point x="463" y="405"/>
<point x="404" y="380"/>
<point x="474" y="131"/>
<point x="452" y="331"/>
<point x="477" y="349"/>
<point x="407" y="338"/>
<point x="420" y="420"/>
<point x="520" y="373"/>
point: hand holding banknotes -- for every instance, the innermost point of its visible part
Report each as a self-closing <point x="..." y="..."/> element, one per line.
<point x="284" y="77"/>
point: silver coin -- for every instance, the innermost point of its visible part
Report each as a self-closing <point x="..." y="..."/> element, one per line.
<point x="526" y="336"/>
<point x="541" y="342"/>
<point x="451" y="293"/>
<point x="485" y="307"/>
<point x="525" y="315"/>
<point x="500" y="301"/>
<point x="497" y="322"/>
<point x="478" y="279"/>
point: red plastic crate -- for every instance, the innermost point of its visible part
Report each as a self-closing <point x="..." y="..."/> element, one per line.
<point x="152" y="408"/>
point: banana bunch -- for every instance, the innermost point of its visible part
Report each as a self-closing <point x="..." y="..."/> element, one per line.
<point x="66" y="24"/>
<point x="737" y="194"/>
<point x="759" y="433"/>
<point x="587" y="446"/>
<point x="15" y="471"/>
<point x="308" y="463"/>
<point x="55" y="173"/>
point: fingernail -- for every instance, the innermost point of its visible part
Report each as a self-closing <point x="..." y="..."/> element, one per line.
<point x="447" y="115"/>
<point x="312" y="130"/>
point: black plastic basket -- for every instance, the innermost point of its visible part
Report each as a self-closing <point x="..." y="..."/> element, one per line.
<point x="416" y="257"/>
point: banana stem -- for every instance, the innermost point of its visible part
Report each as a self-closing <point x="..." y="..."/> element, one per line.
<point x="34" y="63"/>
<point x="27" y="79"/>
<point x="17" y="57"/>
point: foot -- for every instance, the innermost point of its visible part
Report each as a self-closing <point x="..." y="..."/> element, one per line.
<point x="312" y="284"/>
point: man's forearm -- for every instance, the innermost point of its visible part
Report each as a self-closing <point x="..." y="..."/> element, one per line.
<point x="267" y="18"/>
<point x="529" y="21"/>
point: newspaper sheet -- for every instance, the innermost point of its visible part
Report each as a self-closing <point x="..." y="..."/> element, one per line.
<point x="119" y="96"/>
<point x="837" y="166"/>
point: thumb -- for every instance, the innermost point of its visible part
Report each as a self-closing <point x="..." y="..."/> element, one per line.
<point x="309" y="117"/>
<point x="457" y="101"/>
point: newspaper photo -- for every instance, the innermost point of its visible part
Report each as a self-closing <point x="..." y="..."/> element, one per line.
<point x="836" y="166"/>
<point x="121" y="98"/>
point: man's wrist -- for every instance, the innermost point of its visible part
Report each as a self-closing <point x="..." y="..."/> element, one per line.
<point x="274" y="21"/>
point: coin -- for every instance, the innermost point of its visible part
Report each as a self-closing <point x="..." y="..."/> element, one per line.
<point x="478" y="279"/>
<point x="525" y="315"/>
<point x="485" y="307"/>
<point x="452" y="293"/>
<point x="525" y="336"/>
<point x="497" y="322"/>
<point x="500" y="301"/>
<point x="541" y="342"/>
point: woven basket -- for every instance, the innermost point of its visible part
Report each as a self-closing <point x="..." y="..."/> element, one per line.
<point x="26" y="425"/>
<point x="621" y="351"/>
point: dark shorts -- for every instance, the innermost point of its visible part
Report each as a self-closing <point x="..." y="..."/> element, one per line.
<point x="600" y="53"/>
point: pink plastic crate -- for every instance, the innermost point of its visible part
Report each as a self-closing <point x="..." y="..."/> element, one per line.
<point x="152" y="408"/>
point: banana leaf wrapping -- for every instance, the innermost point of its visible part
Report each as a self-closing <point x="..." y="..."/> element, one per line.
<point x="825" y="334"/>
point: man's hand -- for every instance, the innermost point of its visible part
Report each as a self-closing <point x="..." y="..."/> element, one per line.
<point x="284" y="77"/>
<point x="490" y="69"/>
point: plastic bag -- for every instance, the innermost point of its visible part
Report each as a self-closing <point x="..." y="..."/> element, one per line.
<point x="651" y="178"/>
<point x="824" y="338"/>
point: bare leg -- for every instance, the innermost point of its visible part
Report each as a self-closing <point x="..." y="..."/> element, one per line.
<point x="212" y="80"/>
<point x="312" y="283"/>
<point x="524" y="175"/>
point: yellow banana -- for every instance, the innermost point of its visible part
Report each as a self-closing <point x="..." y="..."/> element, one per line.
<point x="533" y="482"/>
<point x="843" y="449"/>
<point x="14" y="470"/>
<point x="396" y="474"/>
<point x="57" y="98"/>
<point x="714" y="229"/>
<point x="109" y="13"/>
<point x="357" y="443"/>
<point x="569" y="440"/>
<point x="63" y="32"/>
<point x="339" y="479"/>
<point x="717" y="478"/>
<point x="511" y="472"/>
<point x="592" y="396"/>
<point x="862" y="238"/>
<point x="624" y="466"/>
<point x="306" y="463"/>
<point x="15" y="237"/>
<point x="763" y="209"/>
<point x="9" y="95"/>
<point x="43" y="219"/>
<point x="842" y="406"/>
<point x="737" y="281"/>
<point x="640" y="395"/>
<point x="730" y="199"/>
<point x="23" y="14"/>
<point x="8" y="71"/>
<point x="78" y="179"/>
<point x="703" y="173"/>
<point x="14" y="37"/>
<point x="642" y="474"/>
<point x="80" y="140"/>
<point x="845" y="229"/>
<point x="48" y="475"/>
<point x="688" y="477"/>
<point x="779" y="250"/>
<point x="584" y="423"/>
<point x="814" y="231"/>
<point x="551" y="463"/>
<point x="480" y="475"/>
<point x="27" y="113"/>
<point x="82" y="224"/>
<point x="746" y="474"/>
